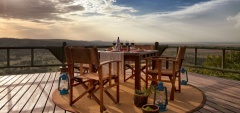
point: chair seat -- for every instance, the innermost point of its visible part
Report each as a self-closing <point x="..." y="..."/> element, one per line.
<point x="164" y="72"/>
<point x="133" y="64"/>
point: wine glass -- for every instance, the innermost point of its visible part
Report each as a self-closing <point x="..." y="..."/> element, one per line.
<point x="127" y="42"/>
<point x="121" y="43"/>
<point x="114" y="42"/>
<point x="132" y="44"/>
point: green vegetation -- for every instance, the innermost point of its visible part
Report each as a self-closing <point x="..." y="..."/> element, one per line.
<point x="148" y="108"/>
<point x="144" y="91"/>
<point x="232" y="61"/>
<point x="22" y="57"/>
<point x="210" y="58"/>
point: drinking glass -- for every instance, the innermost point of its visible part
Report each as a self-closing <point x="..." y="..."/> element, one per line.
<point x="127" y="42"/>
<point x="114" y="42"/>
<point x="132" y="44"/>
<point x="121" y="43"/>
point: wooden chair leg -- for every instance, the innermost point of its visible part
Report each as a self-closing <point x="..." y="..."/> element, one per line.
<point x="179" y="82"/>
<point x="117" y="88"/>
<point x="146" y="78"/>
<point x="173" y="88"/>
<point x="71" y="94"/>
<point x="101" y="97"/>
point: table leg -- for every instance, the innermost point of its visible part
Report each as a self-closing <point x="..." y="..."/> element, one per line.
<point x="137" y="73"/>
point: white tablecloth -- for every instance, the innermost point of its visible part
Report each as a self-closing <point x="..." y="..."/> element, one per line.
<point x="107" y="55"/>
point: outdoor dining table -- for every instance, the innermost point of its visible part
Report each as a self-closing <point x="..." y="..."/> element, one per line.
<point x="135" y="56"/>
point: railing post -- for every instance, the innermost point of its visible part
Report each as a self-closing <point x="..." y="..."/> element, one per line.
<point x="32" y="57"/>
<point x="63" y="68"/>
<point x="63" y="55"/>
<point x="195" y="57"/>
<point x="156" y="45"/>
<point x="223" y="58"/>
<point x="8" y="57"/>
<point x="160" y="48"/>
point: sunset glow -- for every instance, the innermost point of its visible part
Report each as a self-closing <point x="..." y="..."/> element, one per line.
<point x="138" y="20"/>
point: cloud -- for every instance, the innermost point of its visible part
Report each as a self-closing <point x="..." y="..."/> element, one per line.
<point x="66" y="1"/>
<point x="202" y="22"/>
<point x="104" y="7"/>
<point x="36" y="9"/>
<point x="235" y="19"/>
<point x="211" y="21"/>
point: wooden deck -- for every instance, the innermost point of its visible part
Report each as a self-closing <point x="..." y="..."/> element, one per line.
<point x="32" y="93"/>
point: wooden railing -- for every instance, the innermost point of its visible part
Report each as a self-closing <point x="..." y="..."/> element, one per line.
<point x="58" y="52"/>
<point x="222" y="53"/>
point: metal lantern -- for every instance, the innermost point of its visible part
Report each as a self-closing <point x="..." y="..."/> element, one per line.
<point x="184" y="73"/>
<point x="63" y="84"/>
<point x="161" y="97"/>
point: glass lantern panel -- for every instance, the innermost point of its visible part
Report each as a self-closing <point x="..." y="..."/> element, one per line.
<point x="64" y="84"/>
<point x="160" y="98"/>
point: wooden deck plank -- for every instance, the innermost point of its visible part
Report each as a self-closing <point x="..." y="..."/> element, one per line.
<point x="28" y="93"/>
<point x="7" y="92"/>
<point x="218" y="107"/>
<point x="222" y="95"/>
<point x="225" y="100"/>
<point x="55" y="86"/>
<point x="8" y="83"/>
<point x="59" y="110"/>
<point x="3" y="78"/>
<point x="8" y="101"/>
<point x="227" y="82"/>
<point x="44" y="95"/>
<point x="50" y="107"/>
<point x="207" y="109"/>
<point x="217" y="93"/>
<point x="221" y="99"/>
<point x="35" y="91"/>
<point x="225" y="104"/>
<point x="216" y="85"/>
<point x="4" y="81"/>
<point x="4" y="89"/>
<point x="203" y="110"/>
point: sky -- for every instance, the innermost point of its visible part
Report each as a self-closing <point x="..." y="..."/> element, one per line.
<point x="130" y="20"/>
